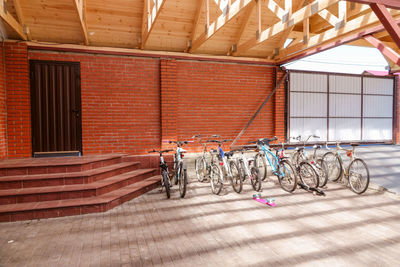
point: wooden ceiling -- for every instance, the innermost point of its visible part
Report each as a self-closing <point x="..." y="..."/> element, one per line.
<point x="237" y="28"/>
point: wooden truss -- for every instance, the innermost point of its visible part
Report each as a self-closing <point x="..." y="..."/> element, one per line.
<point x="276" y="30"/>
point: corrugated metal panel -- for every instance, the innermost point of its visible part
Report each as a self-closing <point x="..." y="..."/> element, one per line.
<point x="377" y="129"/>
<point x="378" y="106"/>
<point x="344" y="105"/>
<point x="56" y="104"/>
<point x="344" y="84"/>
<point x="308" y="104"/>
<point x="308" y="82"/>
<point x="378" y="86"/>
<point x="305" y="127"/>
<point x="344" y="129"/>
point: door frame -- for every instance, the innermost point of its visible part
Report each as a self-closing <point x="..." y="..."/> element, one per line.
<point x="77" y="65"/>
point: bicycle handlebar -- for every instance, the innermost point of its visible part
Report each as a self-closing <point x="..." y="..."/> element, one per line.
<point x="160" y="151"/>
<point x="264" y="140"/>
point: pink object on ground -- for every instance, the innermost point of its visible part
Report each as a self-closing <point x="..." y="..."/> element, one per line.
<point x="262" y="200"/>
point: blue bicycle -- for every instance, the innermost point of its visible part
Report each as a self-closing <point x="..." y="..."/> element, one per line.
<point x="279" y="164"/>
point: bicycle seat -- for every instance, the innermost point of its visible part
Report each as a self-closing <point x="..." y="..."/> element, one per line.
<point x="299" y="148"/>
<point x="317" y="146"/>
<point x="354" y="144"/>
<point x="214" y="151"/>
<point x="229" y="154"/>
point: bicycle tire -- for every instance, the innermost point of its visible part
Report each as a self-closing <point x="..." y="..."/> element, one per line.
<point x="215" y="179"/>
<point x="166" y="183"/>
<point x="255" y="179"/>
<point x="308" y="174"/>
<point x="365" y="183"/>
<point x="261" y="164"/>
<point x="182" y="181"/>
<point x="335" y="169"/>
<point x="201" y="168"/>
<point x="242" y="170"/>
<point x="289" y="181"/>
<point x="323" y="173"/>
<point x="236" y="180"/>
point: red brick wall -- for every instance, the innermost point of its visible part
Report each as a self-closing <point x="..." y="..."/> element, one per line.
<point x="18" y="100"/>
<point x="120" y="101"/>
<point x="220" y="98"/>
<point x="130" y="104"/>
<point x="3" y="108"/>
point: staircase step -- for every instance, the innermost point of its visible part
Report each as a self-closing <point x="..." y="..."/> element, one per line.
<point x="68" y="207"/>
<point x="100" y="187"/>
<point x="56" y="165"/>
<point x="56" y="179"/>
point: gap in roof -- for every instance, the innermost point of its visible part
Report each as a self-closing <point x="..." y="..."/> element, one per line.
<point x="342" y="59"/>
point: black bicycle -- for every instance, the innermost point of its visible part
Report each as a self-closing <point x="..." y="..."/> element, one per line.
<point x="165" y="181"/>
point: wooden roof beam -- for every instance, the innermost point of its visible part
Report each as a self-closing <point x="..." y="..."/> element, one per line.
<point x="387" y="21"/>
<point x="150" y="19"/>
<point x="21" y="18"/>
<point x="281" y="26"/>
<point x="237" y="7"/>
<point x="366" y="24"/>
<point x="196" y="21"/>
<point x="79" y="8"/>
<point x="281" y="13"/>
<point x="388" y="3"/>
<point x="11" y="21"/>
<point x="385" y="50"/>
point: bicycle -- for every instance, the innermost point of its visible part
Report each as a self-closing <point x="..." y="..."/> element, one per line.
<point x="201" y="166"/>
<point x="356" y="173"/>
<point x="318" y="163"/>
<point x="230" y="170"/>
<point x="179" y="173"/>
<point x="245" y="170"/>
<point x="281" y="167"/>
<point x="165" y="181"/>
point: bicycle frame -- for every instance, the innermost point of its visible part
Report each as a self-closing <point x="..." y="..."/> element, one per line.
<point x="245" y="160"/>
<point x="268" y="153"/>
<point x="339" y="156"/>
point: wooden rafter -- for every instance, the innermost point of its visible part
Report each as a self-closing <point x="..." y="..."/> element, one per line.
<point x="21" y="18"/>
<point x="385" y="50"/>
<point x="279" y="27"/>
<point x="361" y="23"/>
<point x="151" y="16"/>
<point x="79" y="8"/>
<point x="276" y="9"/>
<point x="387" y="21"/>
<point x="221" y="21"/>
<point x="329" y="17"/>
<point x="196" y="21"/>
<point x="287" y="32"/>
<point x="11" y="21"/>
<point x="387" y="3"/>
<point x="245" y="21"/>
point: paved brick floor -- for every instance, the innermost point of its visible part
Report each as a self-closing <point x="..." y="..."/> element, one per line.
<point x="341" y="229"/>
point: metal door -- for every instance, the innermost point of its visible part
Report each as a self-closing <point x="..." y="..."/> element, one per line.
<point x="55" y="106"/>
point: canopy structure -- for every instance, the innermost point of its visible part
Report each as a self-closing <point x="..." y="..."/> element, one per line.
<point x="274" y="30"/>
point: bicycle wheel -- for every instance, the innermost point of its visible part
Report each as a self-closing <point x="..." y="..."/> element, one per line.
<point x="216" y="179"/>
<point x="334" y="166"/>
<point x="242" y="171"/>
<point x="323" y="173"/>
<point x="182" y="181"/>
<point x="308" y="174"/>
<point x="236" y="181"/>
<point x="201" y="169"/>
<point x="287" y="178"/>
<point x="261" y="164"/>
<point x="166" y="183"/>
<point x="358" y="176"/>
<point x="255" y="179"/>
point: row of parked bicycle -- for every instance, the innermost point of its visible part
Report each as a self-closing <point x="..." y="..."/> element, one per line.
<point x="301" y="169"/>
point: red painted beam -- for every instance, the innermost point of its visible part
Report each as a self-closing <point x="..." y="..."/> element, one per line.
<point x="389" y="3"/>
<point x="385" y="50"/>
<point x="342" y="41"/>
<point x="387" y="20"/>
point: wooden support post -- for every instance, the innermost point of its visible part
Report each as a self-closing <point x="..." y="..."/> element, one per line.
<point x="11" y="21"/>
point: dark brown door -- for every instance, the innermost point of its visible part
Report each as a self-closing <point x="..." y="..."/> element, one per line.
<point x="56" y="106"/>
